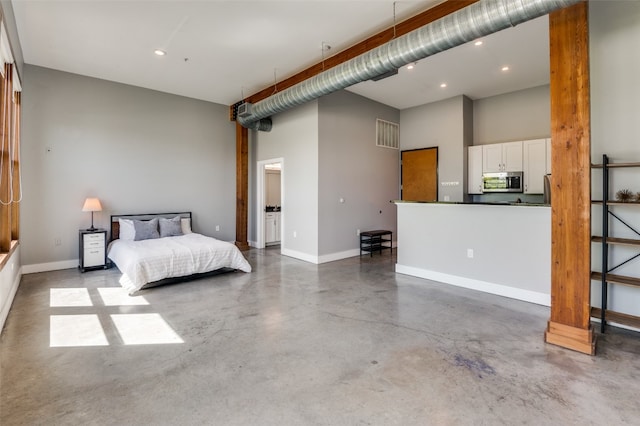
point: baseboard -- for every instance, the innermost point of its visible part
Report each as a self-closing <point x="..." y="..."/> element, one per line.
<point x="325" y="258"/>
<point x="615" y="324"/>
<point x="473" y="284"/>
<point x="51" y="266"/>
<point x="253" y="244"/>
<point x="332" y="257"/>
<point x="299" y="255"/>
<point x="4" y="313"/>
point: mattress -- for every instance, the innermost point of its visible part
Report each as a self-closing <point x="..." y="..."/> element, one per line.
<point x="147" y="261"/>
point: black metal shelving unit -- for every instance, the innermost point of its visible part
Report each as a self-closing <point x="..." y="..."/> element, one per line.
<point x="377" y="240"/>
<point x="605" y="275"/>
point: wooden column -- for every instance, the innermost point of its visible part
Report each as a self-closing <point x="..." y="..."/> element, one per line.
<point x="242" y="185"/>
<point x="569" y="325"/>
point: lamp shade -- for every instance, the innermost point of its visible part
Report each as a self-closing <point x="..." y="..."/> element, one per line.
<point x="92" y="205"/>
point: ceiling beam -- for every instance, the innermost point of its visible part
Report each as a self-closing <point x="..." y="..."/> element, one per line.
<point x="358" y="49"/>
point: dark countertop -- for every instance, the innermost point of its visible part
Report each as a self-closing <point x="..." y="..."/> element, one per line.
<point x="495" y="203"/>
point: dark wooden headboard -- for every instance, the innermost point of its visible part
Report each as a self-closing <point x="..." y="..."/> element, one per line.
<point x="115" y="224"/>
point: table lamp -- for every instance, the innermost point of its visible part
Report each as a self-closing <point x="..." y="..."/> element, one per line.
<point x="92" y="205"/>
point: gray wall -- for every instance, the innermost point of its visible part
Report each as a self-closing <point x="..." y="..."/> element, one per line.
<point x="137" y="150"/>
<point x="615" y="129"/>
<point x="351" y="167"/>
<point x="294" y="138"/>
<point x="440" y="124"/>
<point x="521" y="115"/>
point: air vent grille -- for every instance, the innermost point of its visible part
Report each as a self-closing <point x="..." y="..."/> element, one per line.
<point x="387" y="134"/>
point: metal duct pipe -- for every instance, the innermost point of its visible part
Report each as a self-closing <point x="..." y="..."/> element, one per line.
<point x="477" y="20"/>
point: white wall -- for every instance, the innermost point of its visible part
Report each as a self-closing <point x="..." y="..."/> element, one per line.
<point x="353" y="169"/>
<point x="135" y="149"/>
<point x="294" y="138"/>
<point x="614" y="35"/>
<point x="511" y="247"/>
<point x="440" y="124"/>
<point x="9" y="280"/>
<point x="521" y="115"/>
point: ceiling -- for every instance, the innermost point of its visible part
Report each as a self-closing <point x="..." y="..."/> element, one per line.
<point x="220" y="51"/>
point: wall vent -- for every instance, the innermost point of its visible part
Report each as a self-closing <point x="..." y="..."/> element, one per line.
<point x="387" y="134"/>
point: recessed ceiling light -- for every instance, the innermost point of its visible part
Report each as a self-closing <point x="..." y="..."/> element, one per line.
<point x="478" y="43"/>
<point x="443" y="85"/>
<point x="410" y="66"/>
<point x="159" y="52"/>
<point x="505" y="68"/>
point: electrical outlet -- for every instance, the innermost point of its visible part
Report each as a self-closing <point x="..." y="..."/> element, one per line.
<point x="217" y="227"/>
<point x="295" y="234"/>
<point x="57" y="241"/>
<point x="470" y="253"/>
<point x="357" y="232"/>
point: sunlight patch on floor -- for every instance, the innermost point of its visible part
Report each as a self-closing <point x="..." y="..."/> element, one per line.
<point x="69" y="297"/>
<point x="76" y="330"/>
<point x="144" y="329"/>
<point x="118" y="296"/>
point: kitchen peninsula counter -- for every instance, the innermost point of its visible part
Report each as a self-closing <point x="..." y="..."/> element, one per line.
<point x="481" y="203"/>
<point x="500" y="248"/>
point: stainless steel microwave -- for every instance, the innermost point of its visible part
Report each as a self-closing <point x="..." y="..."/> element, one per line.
<point x="502" y="182"/>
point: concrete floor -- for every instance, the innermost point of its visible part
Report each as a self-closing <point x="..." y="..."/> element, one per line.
<point x="344" y="343"/>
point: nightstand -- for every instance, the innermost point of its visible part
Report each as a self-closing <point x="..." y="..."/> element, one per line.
<point x="93" y="253"/>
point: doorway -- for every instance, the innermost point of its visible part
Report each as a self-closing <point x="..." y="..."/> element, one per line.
<point x="419" y="176"/>
<point x="269" y="205"/>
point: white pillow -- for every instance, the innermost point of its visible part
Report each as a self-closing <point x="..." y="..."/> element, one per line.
<point x="185" y="223"/>
<point x="127" y="230"/>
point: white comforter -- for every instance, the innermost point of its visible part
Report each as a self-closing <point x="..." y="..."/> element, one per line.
<point x="146" y="261"/>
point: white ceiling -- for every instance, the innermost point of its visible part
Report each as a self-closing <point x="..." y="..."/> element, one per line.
<point x="220" y="50"/>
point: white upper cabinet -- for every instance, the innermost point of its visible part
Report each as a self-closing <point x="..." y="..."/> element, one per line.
<point x="474" y="172"/>
<point x="535" y="164"/>
<point x="492" y="158"/>
<point x="502" y="157"/>
<point x="512" y="156"/>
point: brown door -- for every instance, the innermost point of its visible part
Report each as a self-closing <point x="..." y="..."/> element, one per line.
<point x="420" y="174"/>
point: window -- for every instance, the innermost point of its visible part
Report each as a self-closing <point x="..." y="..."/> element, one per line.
<point x="10" y="182"/>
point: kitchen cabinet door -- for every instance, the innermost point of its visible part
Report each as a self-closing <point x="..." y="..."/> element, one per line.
<point x="512" y="156"/>
<point x="534" y="157"/>
<point x="270" y="227"/>
<point x="492" y="158"/>
<point x="502" y="157"/>
<point x="474" y="170"/>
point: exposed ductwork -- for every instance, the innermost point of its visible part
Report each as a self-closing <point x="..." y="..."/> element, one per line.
<point x="477" y="20"/>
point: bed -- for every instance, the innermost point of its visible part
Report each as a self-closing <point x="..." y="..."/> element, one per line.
<point x="160" y="248"/>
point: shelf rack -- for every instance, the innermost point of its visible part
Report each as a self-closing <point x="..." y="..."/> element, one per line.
<point x="605" y="276"/>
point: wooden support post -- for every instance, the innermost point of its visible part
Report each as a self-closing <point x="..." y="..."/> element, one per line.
<point x="242" y="185"/>
<point x="570" y="322"/>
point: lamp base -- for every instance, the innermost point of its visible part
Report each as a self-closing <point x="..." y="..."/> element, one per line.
<point x="92" y="229"/>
